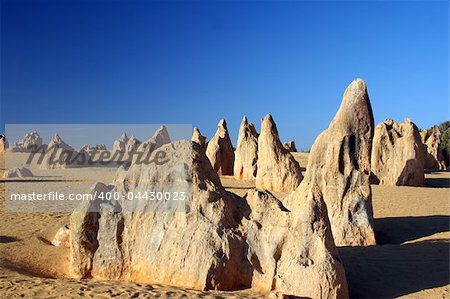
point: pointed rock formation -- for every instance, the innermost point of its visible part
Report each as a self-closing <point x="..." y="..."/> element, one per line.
<point x="159" y="138"/>
<point x="220" y="151"/>
<point x="61" y="155"/>
<point x="246" y="154"/>
<point x="434" y="160"/>
<point x="339" y="165"/>
<point x="222" y="243"/>
<point x="3" y="143"/>
<point x="58" y="142"/>
<point x="201" y="249"/>
<point x="278" y="171"/>
<point x="290" y="146"/>
<point x="120" y="144"/>
<point x="146" y="148"/>
<point x="31" y="142"/>
<point x="132" y="144"/>
<point x="198" y="137"/>
<point x="398" y="154"/>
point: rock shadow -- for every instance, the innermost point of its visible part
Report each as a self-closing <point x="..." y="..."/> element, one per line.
<point x="397" y="230"/>
<point x="8" y="239"/>
<point x="390" y="271"/>
<point x="437" y="182"/>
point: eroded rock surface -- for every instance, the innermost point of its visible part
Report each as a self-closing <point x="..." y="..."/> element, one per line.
<point x="398" y="154"/>
<point x="31" y="142"/>
<point x="200" y="249"/>
<point x="290" y="146"/>
<point x="61" y="155"/>
<point x="246" y="154"/>
<point x="431" y="139"/>
<point x="146" y="148"/>
<point x="132" y="144"/>
<point x="339" y="165"/>
<point x="4" y="145"/>
<point x="223" y="242"/>
<point x="120" y="144"/>
<point x="220" y="151"/>
<point x="198" y="137"/>
<point x="277" y="169"/>
<point x="18" y="172"/>
<point x="62" y="237"/>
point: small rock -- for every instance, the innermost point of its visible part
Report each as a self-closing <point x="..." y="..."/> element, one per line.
<point x="18" y="172"/>
<point x="62" y="237"/>
<point x="290" y="146"/>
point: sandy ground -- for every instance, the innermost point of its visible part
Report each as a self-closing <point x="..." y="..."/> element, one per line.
<point x="411" y="260"/>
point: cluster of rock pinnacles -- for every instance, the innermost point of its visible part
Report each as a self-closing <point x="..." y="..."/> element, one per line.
<point x="228" y="242"/>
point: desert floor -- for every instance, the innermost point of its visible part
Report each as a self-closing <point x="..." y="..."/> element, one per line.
<point x="411" y="260"/>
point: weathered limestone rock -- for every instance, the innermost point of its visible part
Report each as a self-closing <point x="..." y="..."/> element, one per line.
<point x="62" y="237"/>
<point x="290" y="146"/>
<point x="31" y="142"/>
<point x="431" y="140"/>
<point x="220" y="150"/>
<point x="120" y="144"/>
<point x="246" y="154"/>
<point x="223" y="242"/>
<point x="306" y="260"/>
<point x="146" y="148"/>
<point x="58" y="142"/>
<point x="4" y="145"/>
<point x="159" y="138"/>
<point x="132" y="144"/>
<point x="267" y="227"/>
<point x="198" y="137"/>
<point x="200" y="249"/>
<point x="278" y="171"/>
<point x="99" y="147"/>
<point x="398" y="154"/>
<point x="61" y="155"/>
<point x="339" y="165"/>
<point x="84" y="224"/>
<point x="18" y="172"/>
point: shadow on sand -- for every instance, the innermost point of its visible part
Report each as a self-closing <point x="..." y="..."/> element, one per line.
<point x="392" y="270"/>
<point x="8" y="239"/>
<point x="396" y="230"/>
<point x="439" y="182"/>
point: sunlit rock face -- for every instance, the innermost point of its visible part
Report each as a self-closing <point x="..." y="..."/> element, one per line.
<point x="339" y="164"/>
<point x="398" y="154"/>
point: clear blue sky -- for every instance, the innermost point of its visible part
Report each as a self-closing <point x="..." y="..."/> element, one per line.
<point x="195" y="62"/>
